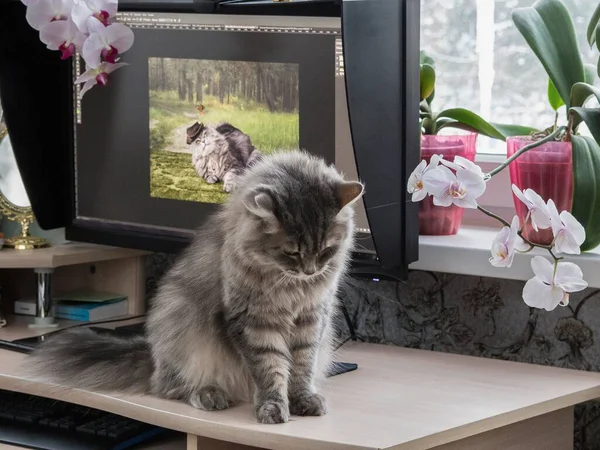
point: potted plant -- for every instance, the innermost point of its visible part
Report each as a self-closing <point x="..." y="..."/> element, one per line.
<point x="567" y="165"/>
<point x="436" y="219"/>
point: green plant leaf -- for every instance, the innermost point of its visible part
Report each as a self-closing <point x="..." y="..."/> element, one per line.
<point x="581" y="92"/>
<point x="424" y="58"/>
<point x="590" y="73"/>
<point x="467" y="120"/>
<point x="548" y="29"/>
<point x="591" y="117"/>
<point x="513" y="130"/>
<point x="598" y="46"/>
<point x="554" y="97"/>
<point x="593" y="25"/>
<point x="586" y="189"/>
<point x="427" y="81"/>
<point x="431" y="97"/>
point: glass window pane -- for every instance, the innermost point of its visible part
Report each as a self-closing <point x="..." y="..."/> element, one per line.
<point x="484" y="64"/>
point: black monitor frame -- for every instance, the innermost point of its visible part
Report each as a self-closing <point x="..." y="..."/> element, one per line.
<point x="381" y="53"/>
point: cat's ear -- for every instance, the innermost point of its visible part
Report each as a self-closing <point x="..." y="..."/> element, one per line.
<point x="348" y="192"/>
<point x="260" y="203"/>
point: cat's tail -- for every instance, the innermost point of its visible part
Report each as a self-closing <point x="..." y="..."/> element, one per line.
<point x="82" y="358"/>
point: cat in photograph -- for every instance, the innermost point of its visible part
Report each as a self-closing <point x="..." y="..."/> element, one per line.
<point x="220" y="153"/>
<point x="245" y="313"/>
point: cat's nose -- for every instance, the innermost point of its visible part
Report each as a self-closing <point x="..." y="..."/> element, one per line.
<point x="309" y="268"/>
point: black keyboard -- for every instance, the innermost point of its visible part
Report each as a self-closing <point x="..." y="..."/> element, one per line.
<point x="41" y="423"/>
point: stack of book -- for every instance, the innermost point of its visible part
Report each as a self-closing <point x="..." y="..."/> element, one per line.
<point x="85" y="306"/>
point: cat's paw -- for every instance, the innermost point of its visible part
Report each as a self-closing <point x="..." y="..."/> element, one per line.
<point x="308" y="405"/>
<point x="228" y="186"/>
<point x="211" y="179"/>
<point x="210" y="398"/>
<point x="271" y="412"/>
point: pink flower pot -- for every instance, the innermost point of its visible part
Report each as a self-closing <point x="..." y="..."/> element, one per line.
<point x="548" y="170"/>
<point x="440" y="220"/>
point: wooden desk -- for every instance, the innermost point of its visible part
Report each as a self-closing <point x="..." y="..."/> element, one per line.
<point x="398" y="399"/>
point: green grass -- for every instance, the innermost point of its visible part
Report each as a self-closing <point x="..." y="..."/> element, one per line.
<point x="268" y="131"/>
<point x="173" y="176"/>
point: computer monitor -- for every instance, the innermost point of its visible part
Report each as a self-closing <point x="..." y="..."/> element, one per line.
<point x="240" y="85"/>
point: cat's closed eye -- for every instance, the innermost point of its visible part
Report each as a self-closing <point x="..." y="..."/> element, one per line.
<point x="291" y="253"/>
<point x="327" y="253"/>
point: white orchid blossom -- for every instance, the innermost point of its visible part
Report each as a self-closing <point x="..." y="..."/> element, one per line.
<point x="415" y="181"/>
<point x="99" y="75"/>
<point x="568" y="233"/>
<point x="552" y="285"/>
<point x="62" y="35"/>
<point x="106" y="43"/>
<point x="84" y="26"/>
<point x="41" y="13"/>
<point x="463" y="163"/>
<point x="462" y="189"/>
<point x="506" y="242"/>
<point x="538" y="210"/>
<point x="103" y="10"/>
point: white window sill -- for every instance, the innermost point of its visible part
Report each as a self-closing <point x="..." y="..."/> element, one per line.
<point x="468" y="253"/>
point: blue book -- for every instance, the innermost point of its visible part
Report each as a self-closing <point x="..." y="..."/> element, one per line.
<point x="91" y="312"/>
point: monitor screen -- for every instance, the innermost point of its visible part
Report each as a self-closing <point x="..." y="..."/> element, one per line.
<point x="232" y="87"/>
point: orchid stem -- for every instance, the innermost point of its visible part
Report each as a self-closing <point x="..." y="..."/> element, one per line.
<point x="494" y="216"/>
<point x="520" y="232"/>
<point x="548" y="138"/>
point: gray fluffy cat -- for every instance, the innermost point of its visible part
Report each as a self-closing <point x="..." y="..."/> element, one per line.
<point x="220" y="153"/>
<point x="245" y="313"/>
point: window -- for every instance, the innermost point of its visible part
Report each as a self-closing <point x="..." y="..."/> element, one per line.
<point x="484" y="64"/>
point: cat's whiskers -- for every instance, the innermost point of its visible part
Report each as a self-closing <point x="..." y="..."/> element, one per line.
<point x="277" y="283"/>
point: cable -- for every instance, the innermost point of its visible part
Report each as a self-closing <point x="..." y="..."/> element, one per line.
<point x="85" y="324"/>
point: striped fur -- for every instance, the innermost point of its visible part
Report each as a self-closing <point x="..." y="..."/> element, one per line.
<point x="240" y="316"/>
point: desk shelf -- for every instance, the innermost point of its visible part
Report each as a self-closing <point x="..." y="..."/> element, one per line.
<point x="72" y="266"/>
<point x="63" y="255"/>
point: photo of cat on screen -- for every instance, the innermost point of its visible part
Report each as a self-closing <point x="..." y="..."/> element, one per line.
<point x="212" y="119"/>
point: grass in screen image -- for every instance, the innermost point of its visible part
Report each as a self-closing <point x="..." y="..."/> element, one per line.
<point x="209" y="120"/>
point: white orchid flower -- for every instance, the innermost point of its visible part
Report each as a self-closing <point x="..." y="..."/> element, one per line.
<point x="100" y="75"/>
<point x="538" y="210"/>
<point x="568" y="233"/>
<point x="551" y="286"/>
<point x="103" y="10"/>
<point x="41" y="13"/>
<point x="463" y="163"/>
<point x="415" y="181"/>
<point x="62" y="35"/>
<point x="105" y="42"/>
<point x="506" y="242"/>
<point x="462" y="189"/>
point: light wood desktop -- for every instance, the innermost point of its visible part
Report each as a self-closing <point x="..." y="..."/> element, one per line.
<point x="397" y="399"/>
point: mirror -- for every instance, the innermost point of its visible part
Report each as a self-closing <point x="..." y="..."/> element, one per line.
<point x="13" y="198"/>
